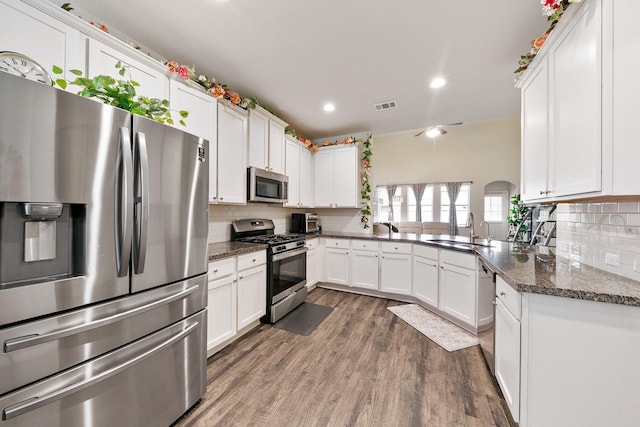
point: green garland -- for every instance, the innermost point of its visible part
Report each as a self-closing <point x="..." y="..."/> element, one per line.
<point x="365" y="176"/>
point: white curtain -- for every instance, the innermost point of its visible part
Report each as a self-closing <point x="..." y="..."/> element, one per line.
<point x="391" y="190"/>
<point x="418" y="191"/>
<point x="453" y="189"/>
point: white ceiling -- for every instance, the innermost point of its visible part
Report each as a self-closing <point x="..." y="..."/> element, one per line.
<point x="295" y="55"/>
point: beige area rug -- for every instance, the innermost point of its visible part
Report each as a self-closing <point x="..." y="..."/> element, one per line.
<point x="444" y="333"/>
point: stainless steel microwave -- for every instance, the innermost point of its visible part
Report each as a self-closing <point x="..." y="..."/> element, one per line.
<point x="266" y="186"/>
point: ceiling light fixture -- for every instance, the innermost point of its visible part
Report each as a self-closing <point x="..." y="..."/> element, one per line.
<point x="433" y="132"/>
<point x="438" y="82"/>
<point x="329" y="107"/>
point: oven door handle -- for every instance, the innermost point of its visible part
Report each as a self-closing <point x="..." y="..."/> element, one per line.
<point x="288" y="254"/>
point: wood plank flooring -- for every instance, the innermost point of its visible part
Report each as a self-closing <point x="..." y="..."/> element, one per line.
<point x="362" y="366"/>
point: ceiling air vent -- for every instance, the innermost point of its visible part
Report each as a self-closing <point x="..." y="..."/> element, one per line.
<point x="387" y="105"/>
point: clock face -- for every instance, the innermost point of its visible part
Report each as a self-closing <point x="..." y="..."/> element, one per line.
<point x="23" y="66"/>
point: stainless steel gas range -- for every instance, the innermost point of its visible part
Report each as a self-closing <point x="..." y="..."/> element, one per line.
<point x="286" y="265"/>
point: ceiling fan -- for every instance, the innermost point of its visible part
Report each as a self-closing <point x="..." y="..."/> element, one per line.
<point x="438" y="130"/>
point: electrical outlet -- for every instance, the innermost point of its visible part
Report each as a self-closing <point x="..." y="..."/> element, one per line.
<point x="612" y="259"/>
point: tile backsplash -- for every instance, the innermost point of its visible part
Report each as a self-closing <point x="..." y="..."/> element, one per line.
<point x="220" y="217"/>
<point x="599" y="234"/>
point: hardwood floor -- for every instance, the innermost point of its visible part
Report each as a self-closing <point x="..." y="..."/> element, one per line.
<point x="362" y="366"/>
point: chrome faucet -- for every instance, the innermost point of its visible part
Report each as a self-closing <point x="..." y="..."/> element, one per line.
<point x="472" y="234"/>
<point x="488" y="230"/>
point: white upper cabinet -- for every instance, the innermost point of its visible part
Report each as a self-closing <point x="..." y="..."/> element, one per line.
<point x="299" y="169"/>
<point x="103" y="59"/>
<point x="266" y="141"/>
<point x="43" y="38"/>
<point x="575" y="61"/>
<point x="579" y="103"/>
<point x="232" y="142"/>
<point x="202" y="121"/>
<point x="336" y="177"/>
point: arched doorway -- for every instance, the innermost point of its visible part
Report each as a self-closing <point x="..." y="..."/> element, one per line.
<point x="496" y="208"/>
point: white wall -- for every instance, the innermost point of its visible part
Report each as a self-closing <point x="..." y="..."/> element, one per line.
<point x="481" y="152"/>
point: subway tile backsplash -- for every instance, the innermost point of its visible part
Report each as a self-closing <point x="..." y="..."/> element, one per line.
<point x="587" y="232"/>
<point x="220" y="217"/>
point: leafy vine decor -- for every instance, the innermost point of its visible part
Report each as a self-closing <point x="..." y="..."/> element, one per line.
<point x="366" y="183"/>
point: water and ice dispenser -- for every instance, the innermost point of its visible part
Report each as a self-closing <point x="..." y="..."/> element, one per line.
<point x="40" y="242"/>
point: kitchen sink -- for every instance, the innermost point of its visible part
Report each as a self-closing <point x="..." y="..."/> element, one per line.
<point x="457" y="243"/>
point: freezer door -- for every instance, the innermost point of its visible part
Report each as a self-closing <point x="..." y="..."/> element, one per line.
<point x="150" y="382"/>
<point x="59" y="148"/>
<point x="35" y="350"/>
<point x="171" y="188"/>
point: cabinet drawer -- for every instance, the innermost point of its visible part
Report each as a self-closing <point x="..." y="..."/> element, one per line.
<point x="458" y="258"/>
<point x="222" y="268"/>
<point x="425" y="251"/>
<point x="365" y="245"/>
<point x="509" y="297"/>
<point x="398" y="248"/>
<point x="252" y="260"/>
<point x="337" y="243"/>
<point x="312" y="243"/>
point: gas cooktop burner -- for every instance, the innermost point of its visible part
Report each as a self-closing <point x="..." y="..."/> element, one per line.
<point x="271" y="239"/>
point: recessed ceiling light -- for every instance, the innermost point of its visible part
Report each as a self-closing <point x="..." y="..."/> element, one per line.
<point x="438" y="82"/>
<point x="433" y="132"/>
<point x="329" y="107"/>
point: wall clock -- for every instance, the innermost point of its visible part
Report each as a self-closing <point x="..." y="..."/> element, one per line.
<point x="21" y="65"/>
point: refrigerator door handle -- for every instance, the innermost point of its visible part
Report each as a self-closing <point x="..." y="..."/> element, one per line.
<point x="36" y="339"/>
<point x="124" y="202"/>
<point x="33" y="403"/>
<point x="141" y="162"/>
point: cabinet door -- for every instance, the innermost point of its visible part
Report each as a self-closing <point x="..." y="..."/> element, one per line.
<point x="458" y="292"/>
<point x="345" y="177"/>
<point x="364" y="269"/>
<point x="323" y="178"/>
<point x="395" y="273"/>
<point x="306" y="177"/>
<point x="221" y="317"/>
<point x="276" y="147"/>
<point x="102" y="59"/>
<point x="535" y="135"/>
<point x="258" y="139"/>
<point x="312" y="267"/>
<point x="507" y="358"/>
<point x="202" y="121"/>
<point x="338" y="266"/>
<point x="425" y="280"/>
<point x="252" y="295"/>
<point x="232" y="140"/>
<point x="577" y="113"/>
<point x="41" y="37"/>
<point x="293" y="172"/>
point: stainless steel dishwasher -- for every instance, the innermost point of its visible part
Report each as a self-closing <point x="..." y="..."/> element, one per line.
<point x="487" y="285"/>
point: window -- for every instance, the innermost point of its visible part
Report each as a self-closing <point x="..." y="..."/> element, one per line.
<point x="462" y="204"/>
<point x="495" y="207"/>
<point x="434" y="205"/>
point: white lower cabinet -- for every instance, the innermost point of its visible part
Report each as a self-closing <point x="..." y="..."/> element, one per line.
<point x="395" y="268"/>
<point x="507" y="345"/>
<point x="312" y="262"/>
<point x="425" y="274"/>
<point x="338" y="265"/>
<point x="252" y="288"/>
<point x="364" y="269"/>
<point x="458" y="286"/>
<point x="236" y="297"/>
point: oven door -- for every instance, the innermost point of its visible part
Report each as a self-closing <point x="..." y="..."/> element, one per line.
<point x="288" y="273"/>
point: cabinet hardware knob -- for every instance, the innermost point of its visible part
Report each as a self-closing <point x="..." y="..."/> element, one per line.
<point x="215" y="270"/>
<point x="542" y="192"/>
<point x="241" y="277"/>
<point x="502" y="293"/>
<point x="253" y="260"/>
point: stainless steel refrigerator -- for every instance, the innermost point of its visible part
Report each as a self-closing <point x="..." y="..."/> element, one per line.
<point x="103" y="239"/>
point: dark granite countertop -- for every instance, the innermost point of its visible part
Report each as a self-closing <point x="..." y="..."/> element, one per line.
<point x="525" y="268"/>
<point x="226" y="249"/>
<point x="529" y="269"/>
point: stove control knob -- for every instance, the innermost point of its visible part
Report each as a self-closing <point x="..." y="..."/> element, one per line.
<point x="281" y="248"/>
